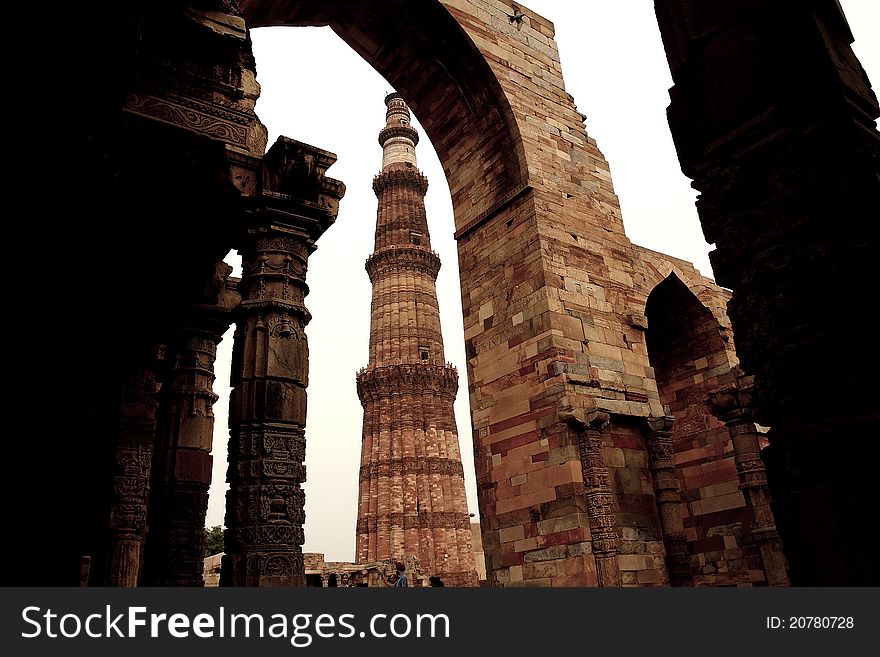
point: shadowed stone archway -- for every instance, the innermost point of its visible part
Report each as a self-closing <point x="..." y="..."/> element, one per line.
<point x="542" y="256"/>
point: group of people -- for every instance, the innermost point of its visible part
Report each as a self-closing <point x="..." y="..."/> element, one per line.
<point x="399" y="578"/>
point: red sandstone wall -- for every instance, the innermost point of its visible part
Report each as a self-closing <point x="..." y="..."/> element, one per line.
<point x="692" y="353"/>
<point x="642" y="555"/>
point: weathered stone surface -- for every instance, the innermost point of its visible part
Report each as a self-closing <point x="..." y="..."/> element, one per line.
<point x="182" y="462"/>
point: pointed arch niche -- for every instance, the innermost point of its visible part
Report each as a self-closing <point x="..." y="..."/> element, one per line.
<point x="692" y="355"/>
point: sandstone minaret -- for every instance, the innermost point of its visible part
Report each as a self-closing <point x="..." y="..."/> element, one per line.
<point x="412" y="500"/>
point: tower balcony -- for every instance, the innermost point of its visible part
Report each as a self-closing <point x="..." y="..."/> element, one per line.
<point x="410" y="378"/>
<point x="406" y="257"/>
<point x="392" y="131"/>
<point x="407" y="177"/>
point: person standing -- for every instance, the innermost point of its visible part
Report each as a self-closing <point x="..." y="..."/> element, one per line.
<point x="401" y="575"/>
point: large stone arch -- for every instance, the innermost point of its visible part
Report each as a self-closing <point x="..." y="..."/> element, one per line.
<point x="790" y="230"/>
<point x="545" y="264"/>
<point x="434" y="64"/>
<point x="654" y="268"/>
<point x="165" y="158"/>
<point x="546" y="268"/>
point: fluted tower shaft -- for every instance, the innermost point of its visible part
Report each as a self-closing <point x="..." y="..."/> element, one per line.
<point x="412" y="499"/>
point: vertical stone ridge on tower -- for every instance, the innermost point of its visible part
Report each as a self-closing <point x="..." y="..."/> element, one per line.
<point x="412" y="498"/>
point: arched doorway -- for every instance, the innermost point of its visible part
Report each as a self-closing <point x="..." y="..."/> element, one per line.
<point x="533" y="208"/>
<point x="692" y="357"/>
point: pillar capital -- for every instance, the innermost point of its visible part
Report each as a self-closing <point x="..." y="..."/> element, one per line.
<point x="733" y="404"/>
<point x="658" y="426"/>
<point x="297" y="197"/>
<point x="582" y="419"/>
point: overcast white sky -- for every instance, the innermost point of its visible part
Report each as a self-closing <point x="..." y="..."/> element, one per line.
<point x="317" y="90"/>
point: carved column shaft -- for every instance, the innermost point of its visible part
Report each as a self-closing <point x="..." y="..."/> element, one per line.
<point x="265" y="503"/>
<point x="597" y="489"/>
<point x="131" y="478"/>
<point x="264" y="513"/>
<point x="183" y="463"/>
<point x="733" y="407"/>
<point x="753" y="483"/>
<point x="670" y="507"/>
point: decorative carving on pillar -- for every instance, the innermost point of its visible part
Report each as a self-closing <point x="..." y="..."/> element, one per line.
<point x="265" y="503"/>
<point x="182" y="463"/>
<point x="131" y="478"/>
<point x="216" y="96"/>
<point x="658" y="438"/>
<point x="733" y="406"/>
<point x="587" y="425"/>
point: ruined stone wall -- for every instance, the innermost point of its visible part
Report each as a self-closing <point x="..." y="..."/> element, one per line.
<point x="544" y="314"/>
<point x="692" y="352"/>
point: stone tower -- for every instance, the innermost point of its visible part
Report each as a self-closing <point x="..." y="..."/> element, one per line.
<point x="412" y="500"/>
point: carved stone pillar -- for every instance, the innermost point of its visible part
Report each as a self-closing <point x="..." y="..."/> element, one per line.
<point x="588" y="426"/>
<point x="131" y="477"/>
<point x="174" y="551"/>
<point x="264" y="513"/>
<point x="182" y="494"/>
<point x="185" y="426"/>
<point x="264" y="506"/>
<point x="658" y="437"/>
<point x="733" y="407"/>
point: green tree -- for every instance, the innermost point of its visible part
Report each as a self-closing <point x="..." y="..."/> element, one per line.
<point x="213" y="540"/>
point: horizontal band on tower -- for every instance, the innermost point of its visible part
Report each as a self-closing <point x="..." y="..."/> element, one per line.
<point x="412" y="465"/>
<point x="405" y="131"/>
<point x="403" y="258"/>
<point x="394" y="177"/>
<point x="422" y="298"/>
<point x="406" y="378"/>
<point x="424" y="520"/>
